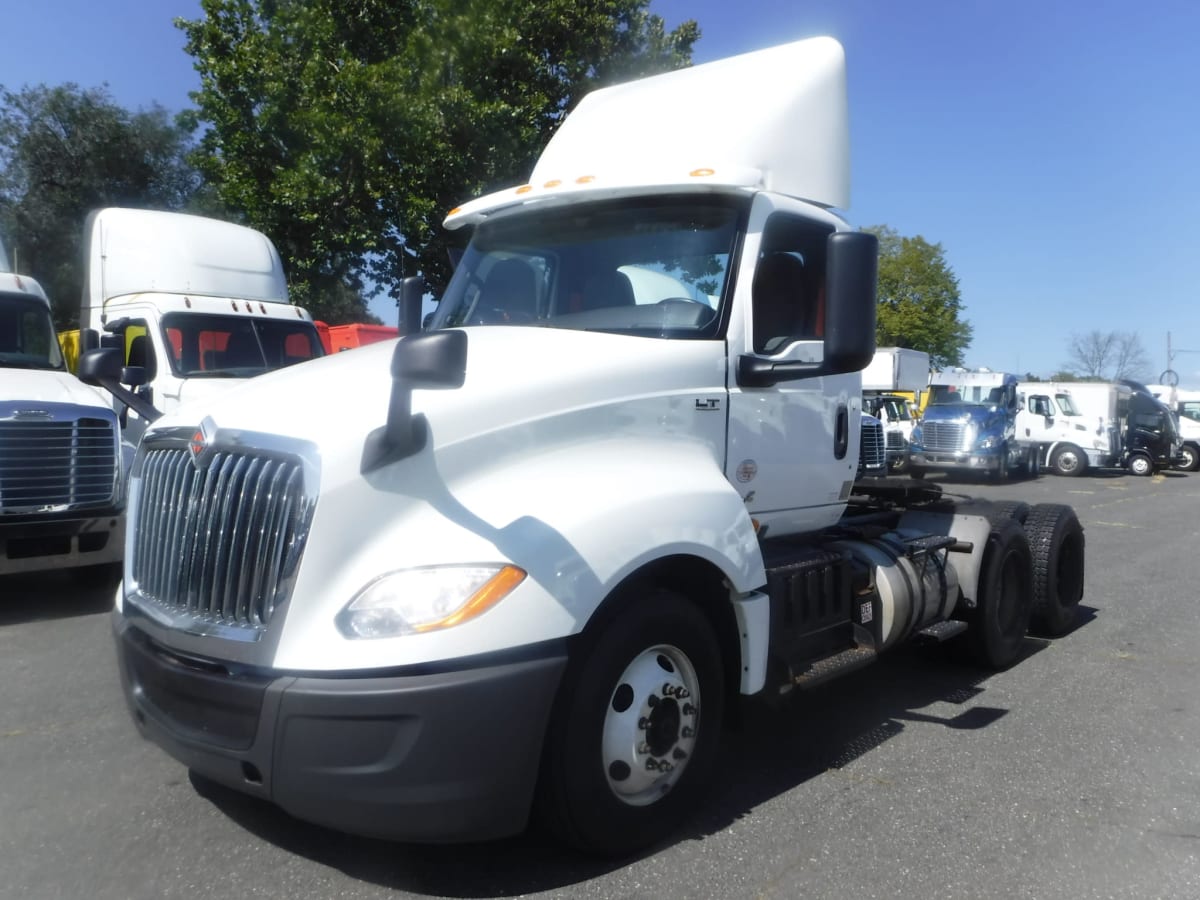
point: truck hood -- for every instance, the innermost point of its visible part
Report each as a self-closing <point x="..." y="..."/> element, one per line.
<point x="40" y="386"/>
<point x="516" y="376"/>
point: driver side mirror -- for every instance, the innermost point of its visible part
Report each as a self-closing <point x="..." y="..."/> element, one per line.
<point x="104" y="367"/>
<point x="851" y="269"/>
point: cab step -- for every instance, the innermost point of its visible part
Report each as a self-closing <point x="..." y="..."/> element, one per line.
<point x="833" y="666"/>
<point x="941" y="631"/>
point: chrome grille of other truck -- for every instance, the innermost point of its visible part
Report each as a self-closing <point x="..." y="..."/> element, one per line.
<point x="942" y="435"/>
<point x="895" y="440"/>
<point x="49" y="465"/>
<point x="218" y="545"/>
<point x="874" y="454"/>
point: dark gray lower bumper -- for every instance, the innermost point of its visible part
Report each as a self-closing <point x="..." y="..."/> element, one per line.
<point x="451" y="756"/>
<point x="37" y="544"/>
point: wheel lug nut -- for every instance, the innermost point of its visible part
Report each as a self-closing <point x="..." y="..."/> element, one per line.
<point x="687" y="732"/>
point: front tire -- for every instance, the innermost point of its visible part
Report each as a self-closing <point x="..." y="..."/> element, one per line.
<point x="634" y="733"/>
<point x="1141" y="465"/>
<point x="1069" y="461"/>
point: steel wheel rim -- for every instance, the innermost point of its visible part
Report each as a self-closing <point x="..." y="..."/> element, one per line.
<point x="1068" y="462"/>
<point x="650" y="725"/>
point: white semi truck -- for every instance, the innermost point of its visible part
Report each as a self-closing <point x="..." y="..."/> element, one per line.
<point x="892" y="383"/>
<point x="1185" y="405"/>
<point x="529" y="559"/>
<point x="196" y="305"/>
<point x="1075" y="426"/>
<point x="61" y="497"/>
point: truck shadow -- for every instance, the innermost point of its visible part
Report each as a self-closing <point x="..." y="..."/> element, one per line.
<point x="50" y="595"/>
<point x="775" y="748"/>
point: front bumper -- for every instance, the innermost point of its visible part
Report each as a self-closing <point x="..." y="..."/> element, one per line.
<point x="446" y="756"/>
<point x="976" y="461"/>
<point x="38" y="544"/>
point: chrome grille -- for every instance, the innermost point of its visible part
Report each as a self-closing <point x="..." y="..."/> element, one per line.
<point x="58" y="465"/>
<point x="219" y="544"/>
<point x="873" y="454"/>
<point x="895" y="440"/>
<point x="942" y="436"/>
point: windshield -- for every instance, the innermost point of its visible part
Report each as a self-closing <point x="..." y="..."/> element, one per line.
<point x="894" y="409"/>
<point x="27" y="339"/>
<point x="655" y="268"/>
<point x="955" y="394"/>
<point x="236" y="346"/>
<point x="1065" y="405"/>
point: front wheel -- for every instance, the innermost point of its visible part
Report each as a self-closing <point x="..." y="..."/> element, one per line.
<point x="634" y="733"/>
<point x="1141" y="465"/>
<point x="1068" y="460"/>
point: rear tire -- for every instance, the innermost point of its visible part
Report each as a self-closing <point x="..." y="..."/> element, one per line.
<point x="1191" y="458"/>
<point x="1004" y="599"/>
<point x="1057" y="544"/>
<point x="627" y="754"/>
<point x="1017" y="510"/>
<point x="1069" y="461"/>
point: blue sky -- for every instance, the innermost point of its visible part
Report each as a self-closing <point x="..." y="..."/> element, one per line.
<point x="1051" y="148"/>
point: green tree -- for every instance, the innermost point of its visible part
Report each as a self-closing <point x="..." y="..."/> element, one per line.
<point x="65" y="151"/>
<point x="919" y="303"/>
<point x="348" y="131"/>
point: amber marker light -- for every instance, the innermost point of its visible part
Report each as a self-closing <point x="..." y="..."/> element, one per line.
<point x="585" y="179"/>
<point x="493" y="591"/>
<point x="702" y="173"/>
<point x="525" y="189"/>
<point x="553" y="183"/>
<point x="455" y="211"/>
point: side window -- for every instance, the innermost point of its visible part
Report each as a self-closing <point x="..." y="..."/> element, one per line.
<point x="1040" y="405"/>
<point x="1190" y="409"/>
<point x="139" y="350"/>
<point x="789" y="283"/>
<point x="1066" y="405"/>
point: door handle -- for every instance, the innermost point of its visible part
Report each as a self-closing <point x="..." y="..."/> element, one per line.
<point x="841" y="432"/>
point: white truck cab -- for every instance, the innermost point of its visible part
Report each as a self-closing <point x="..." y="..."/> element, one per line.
<point x="895" y="375"/>
<point x="61" y="498"/>
<point x="1075" y="426"/>
<point x="543" y="546"/>
<point x="194" y="305"/>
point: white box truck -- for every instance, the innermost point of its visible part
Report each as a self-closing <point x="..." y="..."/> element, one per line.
<point x="1075" y="426"/>
<point x="61" y="497"/>
<point x="892" y="385"/>
<point x="528" y="560"/>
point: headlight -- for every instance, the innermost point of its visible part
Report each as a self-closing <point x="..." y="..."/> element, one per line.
<point x="989" y="442"/>
<point x="418" y="600"/>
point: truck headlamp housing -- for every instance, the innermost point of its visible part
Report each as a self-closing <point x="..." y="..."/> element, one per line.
<point x="989" y="442"/>
<point x="413" y="601"/>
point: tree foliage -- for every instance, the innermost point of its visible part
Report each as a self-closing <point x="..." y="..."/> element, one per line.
<point x="919" y="303"/>
<point x="1107" y="356"/>
<point x="65" y="151"/>
<point x="346" y="131"/>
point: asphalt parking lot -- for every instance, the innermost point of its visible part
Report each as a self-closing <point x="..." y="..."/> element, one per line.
<point x="1073" y="774"/>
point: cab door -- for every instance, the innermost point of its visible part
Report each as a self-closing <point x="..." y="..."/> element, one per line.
<point x="793" y="445"/>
